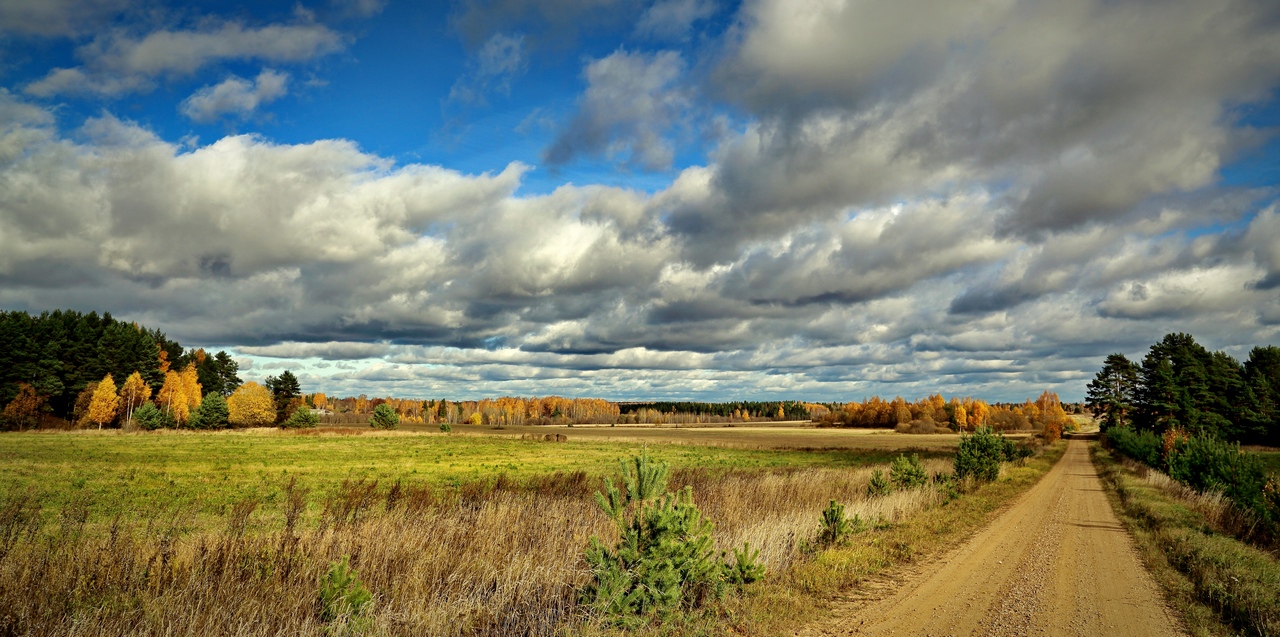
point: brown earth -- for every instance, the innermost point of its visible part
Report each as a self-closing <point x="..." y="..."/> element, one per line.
<point x="1057" y="563"/>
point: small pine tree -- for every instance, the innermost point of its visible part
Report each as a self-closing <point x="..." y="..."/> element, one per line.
<point x="301" y="418"/>
<point x="150" y="417"/>
<point x="834" y="526"/>
<point x="445" y="427"/>
<point x="980" y="454"/>
<point x="878" y="485"/>
<point x="213" y="413"/>
<point x="342" y="594"/>
<point x="384" y="417"/>
<point x="907" y="473"/>
<point x="666" y="555"/>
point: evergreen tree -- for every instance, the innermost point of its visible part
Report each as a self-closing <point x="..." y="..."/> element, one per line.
<point x="284" y="390"/>
<point x="1113" y="391"/>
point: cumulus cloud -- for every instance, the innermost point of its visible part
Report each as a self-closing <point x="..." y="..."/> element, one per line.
<point x="119" y="63"/>
<point x="1079" y="111"/>
<point x="235" y="96"/>
<point x="909" y="197"/>
<point x="631" y="103"/>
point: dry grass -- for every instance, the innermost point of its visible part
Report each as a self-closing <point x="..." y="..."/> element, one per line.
<point x="490" y="558"/>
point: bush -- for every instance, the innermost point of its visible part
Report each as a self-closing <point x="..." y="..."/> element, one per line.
<point x="446" y="427"/>
<point x="150" y="417"/>
<point x="384" y="417"/>
<point x="878" y="485"/>
<point x="342" y="595"/>
<point x="301" y="418"/>
<point x="981" y="453"/>
<point x="907" y="473"/>
<point x="1144" y="446"/>
<point x="925" y="425"/>
<point x="1206" y="464"/>
<point x="665" y="557"/>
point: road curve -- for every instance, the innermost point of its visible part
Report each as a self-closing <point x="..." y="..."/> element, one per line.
<point x="1057" y="563"/>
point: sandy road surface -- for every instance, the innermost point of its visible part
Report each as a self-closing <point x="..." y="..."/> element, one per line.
<point x="1057" y="563"/>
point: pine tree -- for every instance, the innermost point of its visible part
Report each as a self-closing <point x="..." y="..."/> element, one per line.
<point x="1113" y="391"/>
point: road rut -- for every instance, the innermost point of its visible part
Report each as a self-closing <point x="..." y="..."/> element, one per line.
<point x="1057" y="563"/>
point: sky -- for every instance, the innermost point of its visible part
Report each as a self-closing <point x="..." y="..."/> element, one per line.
<point x="662" y="199"/>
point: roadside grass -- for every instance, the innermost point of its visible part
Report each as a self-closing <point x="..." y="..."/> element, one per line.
<point x="205" y="473"/>
<point x="796" y="596"/>
<point x="1220" y="585"/>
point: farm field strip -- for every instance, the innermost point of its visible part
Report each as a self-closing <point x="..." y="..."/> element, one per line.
<point x="122" y="472"/>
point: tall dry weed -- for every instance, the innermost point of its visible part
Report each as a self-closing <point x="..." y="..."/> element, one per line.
<point x="493" y="557"/>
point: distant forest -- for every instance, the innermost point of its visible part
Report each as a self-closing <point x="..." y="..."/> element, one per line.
<point x="1182" y="386"/>
<point x="61" y="353"/>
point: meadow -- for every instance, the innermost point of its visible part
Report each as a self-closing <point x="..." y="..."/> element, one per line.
<point x="233" y="532"/>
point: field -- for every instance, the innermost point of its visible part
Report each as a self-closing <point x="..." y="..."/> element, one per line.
<point x="480" y="534"/>
<point x="206" y="472"/>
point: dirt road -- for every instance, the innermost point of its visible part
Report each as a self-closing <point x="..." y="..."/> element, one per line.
<point x="1057" y="563"/>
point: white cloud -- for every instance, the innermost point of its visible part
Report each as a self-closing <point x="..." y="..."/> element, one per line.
<point x="118" y="63"/>
<point x="631" y="103"/>
<point x="235" y="96"/>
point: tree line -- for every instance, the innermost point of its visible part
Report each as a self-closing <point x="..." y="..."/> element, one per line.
<point x="52" y="365"/>
<point x="1182" y="386"/>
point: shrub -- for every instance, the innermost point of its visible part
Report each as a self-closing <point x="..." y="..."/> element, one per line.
<point x="878" y="485"/>
<point x="980" y="454"/>
<point x="301" y="418"/>
<point x="925" y="425"/>
<point x="907" y="473"/>
<point x="1206" y="464"/>
<point x="665" y="557"/>
<point x="446" y="427"/>
<point x="342" y="594"/>
<point x="150" y="417"/>
<point x="1143" y="446"/>
<point x="384" y="417"/>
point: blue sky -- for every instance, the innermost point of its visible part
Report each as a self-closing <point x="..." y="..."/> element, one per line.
<point x="649" y="198"/>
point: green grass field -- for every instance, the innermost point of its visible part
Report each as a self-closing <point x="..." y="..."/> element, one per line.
<point x="202" y="473"/>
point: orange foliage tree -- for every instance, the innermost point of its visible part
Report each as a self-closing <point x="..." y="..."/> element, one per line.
<point x="251" y="406"/>
<point x="133" y="393"/>
<point x="105" y="402"/>
<point x="23" y="412"/>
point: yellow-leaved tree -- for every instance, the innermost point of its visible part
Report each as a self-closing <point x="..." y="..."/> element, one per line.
<point x="251" y="406"/>
<point x="133" y="393"/>
<point x="172" y="397"/>
<point x="191" y="387"/>
<point x="102" y="409"/>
